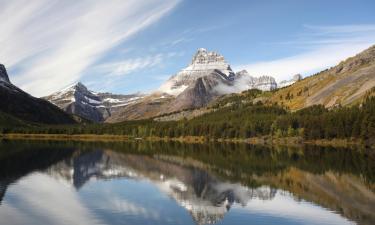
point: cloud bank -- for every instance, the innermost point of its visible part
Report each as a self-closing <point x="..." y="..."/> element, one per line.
<point x="49" y="43"/>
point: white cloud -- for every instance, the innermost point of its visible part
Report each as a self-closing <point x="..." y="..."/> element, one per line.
<point x="53" y="42"/>
<point x="307" y="212"/>
<point x="34" y="201"/>
<point x="325" y="46"/>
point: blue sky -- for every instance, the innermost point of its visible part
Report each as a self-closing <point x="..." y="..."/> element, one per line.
<point x="129" y="46"/>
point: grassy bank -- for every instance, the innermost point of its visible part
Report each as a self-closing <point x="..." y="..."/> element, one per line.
<point x="264" y="140"/>
<point x="64" y="137"/>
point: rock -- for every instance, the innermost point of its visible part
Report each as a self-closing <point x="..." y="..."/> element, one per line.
<point x="3" y="74"/>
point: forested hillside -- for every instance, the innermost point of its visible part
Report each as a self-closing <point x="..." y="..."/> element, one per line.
<point x="242" y="117"/>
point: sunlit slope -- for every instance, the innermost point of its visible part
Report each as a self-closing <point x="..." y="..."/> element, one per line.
<point x="344" y="84"/>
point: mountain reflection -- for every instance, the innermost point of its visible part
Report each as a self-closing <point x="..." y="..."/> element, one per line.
<point x="206" y="197"/>
<point x="207" y="190"/>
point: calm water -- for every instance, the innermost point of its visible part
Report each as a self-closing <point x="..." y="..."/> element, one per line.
<point x="156" y="183"/>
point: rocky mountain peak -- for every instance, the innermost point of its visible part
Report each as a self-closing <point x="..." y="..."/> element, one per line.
<point x="3" y="74"/>
<point x="78" y="86"/>
<point x="205" y="57"/>
<point x="203" y="64"/>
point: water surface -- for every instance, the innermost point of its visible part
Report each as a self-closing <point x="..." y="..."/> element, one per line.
<point x="173" y="183"/>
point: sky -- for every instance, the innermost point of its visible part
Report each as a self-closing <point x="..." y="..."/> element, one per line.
<point x="128" y="46"/>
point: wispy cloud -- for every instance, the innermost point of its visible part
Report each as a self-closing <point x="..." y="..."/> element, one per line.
<point x="52" y="42"/>
<point x="323" y="47"/>
<point x="121" y="68"/>
<point x="114" y="71"/>
<point x="189" y="35"/>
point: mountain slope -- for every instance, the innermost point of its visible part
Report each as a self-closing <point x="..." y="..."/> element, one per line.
<point x="8" y="121"/>
<point x="20" y="104"/>
<point x="344" y="84"/>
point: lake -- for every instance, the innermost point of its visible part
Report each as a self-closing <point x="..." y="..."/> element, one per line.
<point x="174" y="183"/>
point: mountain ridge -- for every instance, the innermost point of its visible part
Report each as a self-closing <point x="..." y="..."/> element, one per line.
<point x="77" y="99"/>
<point x="22" y="105"/>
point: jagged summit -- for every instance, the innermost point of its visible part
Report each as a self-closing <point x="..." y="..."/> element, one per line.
<point x="204" y="60"/>
<point x="3" y="74"/>
<point x="204" y="57"/>
<point x="77" y="86"/>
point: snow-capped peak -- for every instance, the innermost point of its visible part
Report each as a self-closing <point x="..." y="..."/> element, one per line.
<point x="203" y="63"/>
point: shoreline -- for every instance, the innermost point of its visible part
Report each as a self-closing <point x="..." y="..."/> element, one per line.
<point x="266" y="140"/>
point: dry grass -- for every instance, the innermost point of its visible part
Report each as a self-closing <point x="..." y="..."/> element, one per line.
<point x="65" y="137"/>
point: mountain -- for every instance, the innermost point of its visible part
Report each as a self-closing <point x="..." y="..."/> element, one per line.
<point x="203" y="64"/>
<point x="210" y="71"/>
<point x="76" y="99"/>
<point x="17" y="103"/>
<point x="206" y="78"/>
<point x="345" y="84"/>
